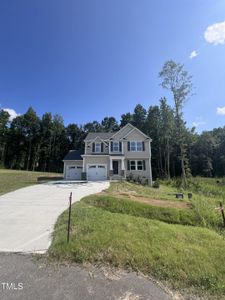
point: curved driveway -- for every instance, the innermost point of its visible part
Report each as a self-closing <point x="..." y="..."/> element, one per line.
<point x="28" y="215"/>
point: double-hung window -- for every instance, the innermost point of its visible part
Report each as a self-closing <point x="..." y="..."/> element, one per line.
<point x="137" y="165"/>
<point x="133" y="165"/>
<point x="139" y="146"/>
<point x="97" y="147"/>
<point x="116" y="146"/>
<point x="136" y="146"/>
<point x="132" y="146"/>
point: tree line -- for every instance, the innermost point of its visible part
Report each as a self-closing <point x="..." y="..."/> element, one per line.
<point x="30" y="142"/>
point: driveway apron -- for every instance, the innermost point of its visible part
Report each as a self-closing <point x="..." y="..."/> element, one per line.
<point x="28" y="215"/>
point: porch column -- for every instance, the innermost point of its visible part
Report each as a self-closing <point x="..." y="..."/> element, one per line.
<point x="83" y="164"/>
<point x="111" y="164"/>
<point x="122" y="164"/>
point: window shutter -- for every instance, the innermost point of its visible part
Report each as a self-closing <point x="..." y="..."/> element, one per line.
<point x="102" y="149"/>
<point x="93" y="147"/>
<point x="144" y="166"/>
<point x="111" y="146"/>
<point x="120" y="147"/>
<point x="128" y="146"/>
<point x="143" y="146"/>
<point x="128" y="165"/>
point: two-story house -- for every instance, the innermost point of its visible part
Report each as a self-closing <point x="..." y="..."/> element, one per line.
<point x="111" y="155"/>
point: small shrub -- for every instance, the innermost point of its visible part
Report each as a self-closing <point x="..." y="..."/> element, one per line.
<point x="144" y="181"/>
<point x="138" y="179"/>
<point x="130" y="177"/>
<point x="156" y="184"/>
<point x="134" y="179"/>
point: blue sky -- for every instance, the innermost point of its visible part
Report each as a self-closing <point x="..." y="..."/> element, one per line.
<point x="89" y="59"/>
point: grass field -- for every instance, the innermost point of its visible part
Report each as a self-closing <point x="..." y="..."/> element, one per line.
<point x="11" y="180"/>
<point x="181" y="246"/>
<point x="206" y="197"/>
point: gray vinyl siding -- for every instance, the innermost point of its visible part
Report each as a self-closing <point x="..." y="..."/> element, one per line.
<point x="97" y="160"/>
<point x="120" y="134"/>
<point x="141" y="173"/>
<point x="71" y="163"/>
<point x="136" y="136"/>
<point x="88" y="148"/>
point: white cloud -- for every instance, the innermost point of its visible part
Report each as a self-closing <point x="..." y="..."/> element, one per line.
<point x="198" y="123"/>
<point x="215" y="34"/>
<point x="220" y="111"/>
<point x="13" y="114"/>
<point x="193" y="54"/>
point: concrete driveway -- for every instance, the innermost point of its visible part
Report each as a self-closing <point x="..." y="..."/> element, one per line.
<point x="28" y="215"/>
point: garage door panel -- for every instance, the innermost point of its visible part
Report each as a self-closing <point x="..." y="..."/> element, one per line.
<point x="74" y="172"/>
<point x="97" y="172"/>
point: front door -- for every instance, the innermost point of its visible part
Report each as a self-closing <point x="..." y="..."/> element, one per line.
<point x="115" y="167"/>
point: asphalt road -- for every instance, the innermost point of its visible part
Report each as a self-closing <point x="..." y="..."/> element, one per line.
<point x="28" y="215"/>
<point x="28" y="278"/>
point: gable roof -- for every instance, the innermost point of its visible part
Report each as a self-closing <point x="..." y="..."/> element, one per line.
<point x="108" y="135"/>
<point x="135" y="128"/>
<point x="132" y="129"/>
<point x="97" y="137"/>
<point x="74" y="155"/>
<point x="101" y="135"/>
<point x="121" y="129"/>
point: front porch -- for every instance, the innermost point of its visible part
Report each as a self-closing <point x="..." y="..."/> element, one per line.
<point x="117" y="168"/>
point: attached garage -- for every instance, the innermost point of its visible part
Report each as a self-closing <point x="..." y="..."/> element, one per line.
<point x="73" y="172"/>
<point x="73" y="165"/>
<point x="78" y="166"/>
<point x="97" y="172"/>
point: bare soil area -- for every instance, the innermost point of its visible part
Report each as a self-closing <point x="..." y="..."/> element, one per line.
<point x="151" y="201"/>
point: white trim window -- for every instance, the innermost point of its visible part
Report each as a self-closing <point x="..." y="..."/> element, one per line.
<point x="136" y="146"/>
<point x="140" y="166"/>
<point x="98" y="147"/>
<point x="116" y="146"/>
<point x="137" y="165"/>
<point x="133" y="165"/>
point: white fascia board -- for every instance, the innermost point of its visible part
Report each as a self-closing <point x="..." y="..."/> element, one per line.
<point x="128" y="133"/>
<point x="92" y="141"/>
<point x="128" y="124"/>
<point x="135" y="128"/>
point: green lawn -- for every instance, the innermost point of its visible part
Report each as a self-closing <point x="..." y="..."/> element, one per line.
<point x="137" y="209"/>
<point x="11" y="180"/>
<point x="124" y="233"/>
<point x="206" y="197"/>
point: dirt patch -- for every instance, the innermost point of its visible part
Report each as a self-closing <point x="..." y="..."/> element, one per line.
<point x="151" y="201"/>
<point x="161" y="203"/>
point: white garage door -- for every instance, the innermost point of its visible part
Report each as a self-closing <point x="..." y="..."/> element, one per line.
<point x="73" y="172"/>
<point x="97" y="172"/>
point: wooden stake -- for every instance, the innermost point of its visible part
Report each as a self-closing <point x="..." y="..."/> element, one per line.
<point x="69" y="218"/>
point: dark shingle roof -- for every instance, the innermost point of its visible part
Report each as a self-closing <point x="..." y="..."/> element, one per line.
<point x="102" y="135"/>
<point x="74" y="155"/>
